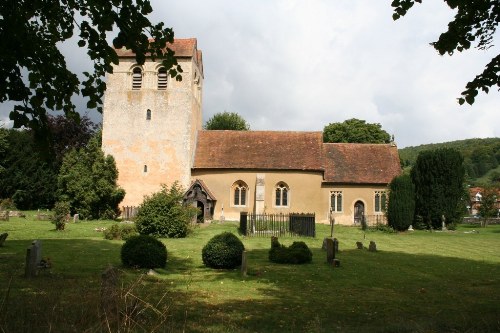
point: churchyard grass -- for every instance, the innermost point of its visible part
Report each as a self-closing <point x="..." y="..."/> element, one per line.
<point x="415" y="282"/>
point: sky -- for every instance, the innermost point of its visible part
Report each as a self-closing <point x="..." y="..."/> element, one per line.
<point x="300" y="65"/>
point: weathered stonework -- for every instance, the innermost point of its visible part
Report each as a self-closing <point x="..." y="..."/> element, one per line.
<point x="159" y="150"/>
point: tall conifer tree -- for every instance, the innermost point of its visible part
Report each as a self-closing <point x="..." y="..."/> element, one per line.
<point x="438" y="177"/>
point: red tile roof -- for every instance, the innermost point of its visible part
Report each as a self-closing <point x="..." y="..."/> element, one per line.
<point x="357" y="163"/>
<point x="182" y="48"/>
<point x="347" y="163"/>
<point x="259" y="150"/>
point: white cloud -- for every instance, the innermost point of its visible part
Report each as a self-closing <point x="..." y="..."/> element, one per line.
<point x="299" y="65"/>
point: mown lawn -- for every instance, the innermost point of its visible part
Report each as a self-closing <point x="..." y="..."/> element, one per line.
<point x="416" y="282"/>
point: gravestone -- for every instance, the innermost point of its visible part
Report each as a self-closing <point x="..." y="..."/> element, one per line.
<point x="3" y="237"/>
<point x="244" y="263"/>
<point x="4" y="215"/>
<point x="336" y="245"/>
<point x="336" y="263"/>
<point x="410" y="228"/>
<point x="330" y="251"/>
<point x="33" y="259"/>
<point x="76" y="218"/>
<point x="359" y="245"/>
<point x="372" y="247"/>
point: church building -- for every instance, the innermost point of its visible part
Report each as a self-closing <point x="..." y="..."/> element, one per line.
<point x="152" y="126"/>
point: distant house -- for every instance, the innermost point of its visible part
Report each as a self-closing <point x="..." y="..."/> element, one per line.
<point x="152" y="126"/>
<point x="475" y="199"/>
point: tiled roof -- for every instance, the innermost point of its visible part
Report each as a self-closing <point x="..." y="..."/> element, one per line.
<point x="182" y="48"/>
<point x="358" y="163"/>
<point x="271" y="150"/>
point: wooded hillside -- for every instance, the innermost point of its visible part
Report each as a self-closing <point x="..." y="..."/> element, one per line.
<point x="481" y="157"/>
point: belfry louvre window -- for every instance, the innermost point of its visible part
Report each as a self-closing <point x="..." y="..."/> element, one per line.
<point x="162" y="78"/>
<point x="380" y="201"/>
<point x="136" y="78"/>
<point x="281" y="195"/>
<point x="336" y="201"/>
<point x="240" y="191"/>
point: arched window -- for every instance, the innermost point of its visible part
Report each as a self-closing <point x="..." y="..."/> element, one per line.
<point x="148" y="114"/>
<point x="282" y="195"/>
<point x="136" y="78"/>
<point x="240" y="193"/>
<point x="162" y="78"/>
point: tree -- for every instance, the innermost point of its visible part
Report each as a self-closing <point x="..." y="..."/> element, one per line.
<point x="87" y="180"/>
<point x="355" y="131"/>
<point x="488" y="208"/>
<point x="34" y="71"/>
<point x="29" y="178"/>
<point x="227" y="121"/>
<point x="68" y="133"/>
<point x="3" y="146"/>
<point x="163" y="214"/>
<point x="401" y="205"/>
<point x="475" y="23"/>
<point x="438" y="177"/>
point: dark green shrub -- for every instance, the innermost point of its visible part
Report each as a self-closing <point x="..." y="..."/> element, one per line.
<point x="122" y="232"/>
<point x="297" y="253"/>
<point x="144" y="251"/>
<point x="223" y="251"/>
<point x="163" y="214"/>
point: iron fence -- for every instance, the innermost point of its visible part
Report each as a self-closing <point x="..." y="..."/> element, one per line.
<point x="292" y="224"/>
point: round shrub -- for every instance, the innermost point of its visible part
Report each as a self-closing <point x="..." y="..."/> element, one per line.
<point x="300" y="253"/>
<point x="144" y="251"/>
<point x="297" y="253"/>
<point x="223" y="251"/>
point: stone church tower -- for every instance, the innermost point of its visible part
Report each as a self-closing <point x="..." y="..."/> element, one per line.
<point x="150" y="121"/>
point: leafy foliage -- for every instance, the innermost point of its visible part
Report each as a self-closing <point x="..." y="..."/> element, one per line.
<point x="61" y="214"/>
<point x="227" y="121"/>
<point x="33" y="69"/>
<point x="297" y="253"/>
<point x="481" y="156"/>
<point x="31" y="168"/>
<point x="3" y="146"/>
<point x="163" y="215"/>
<point x="355" y="131"/>
<point x="438" y="177"/>
<point x="68" y="133"/>
<point x="401" y="205"/>
<point x="122" y="232"/>
<point x="488" y="208"/>
<point x="475" y="23"/>
<point x="223" y="251"/>
<point x="29" y="177"/>
<point x="87" y="180"/>
<point x="144" y="251"/>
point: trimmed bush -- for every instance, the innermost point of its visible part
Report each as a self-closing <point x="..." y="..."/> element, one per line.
<point x="61" y="214"/>
<point x="297" y="253"/>
<point x="118" y="232"/>
<point x="144" y="251"/>
<point x="223" y="251"/>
